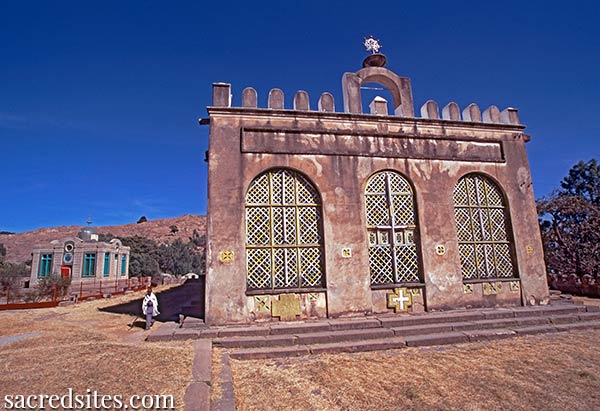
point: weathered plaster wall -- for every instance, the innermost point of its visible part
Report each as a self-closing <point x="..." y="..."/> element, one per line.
<point x="246" y="142"/>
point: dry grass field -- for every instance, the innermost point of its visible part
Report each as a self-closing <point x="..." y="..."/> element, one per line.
<point x="546" y="372"/>
<point x="82" y="348"/>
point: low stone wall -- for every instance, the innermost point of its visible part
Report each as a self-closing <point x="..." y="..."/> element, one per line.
<point x="587" y="285"/>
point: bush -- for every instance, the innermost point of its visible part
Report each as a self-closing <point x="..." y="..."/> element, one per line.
<point x="45" y="287"/>
<point x="12" y="274"/>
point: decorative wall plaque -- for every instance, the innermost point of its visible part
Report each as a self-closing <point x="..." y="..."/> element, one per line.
<point x="492" y="288"/>
<point x="346" y="252"/>
<point x="440" y="249"/>
<point x="515" y="286"/>
<point x="226" y="256"/>
<point x="400" y="300"/>
<point x="415" y="292"/>
<point x="468" y="288"/>
<point x="530" y="250"/>
<point x="286" y="308"/>
<point x="261" y="304"/>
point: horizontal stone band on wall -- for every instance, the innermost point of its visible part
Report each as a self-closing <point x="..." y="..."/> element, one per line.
<point x="340" y="144"/>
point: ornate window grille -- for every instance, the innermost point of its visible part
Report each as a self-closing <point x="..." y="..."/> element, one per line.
<point x="391" y="228"/>
<point x="284" y="241"/>
<point x="481" y="224"/>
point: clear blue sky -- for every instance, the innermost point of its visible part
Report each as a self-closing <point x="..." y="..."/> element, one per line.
<point x="99" y="101"/>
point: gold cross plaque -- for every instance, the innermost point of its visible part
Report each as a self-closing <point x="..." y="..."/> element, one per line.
<point x="400" y="300"/>
<point x="226" y="256"/>
<point x="286" y="308"/>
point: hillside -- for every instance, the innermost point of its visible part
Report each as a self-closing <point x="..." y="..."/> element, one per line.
<point x="19" y="246"/>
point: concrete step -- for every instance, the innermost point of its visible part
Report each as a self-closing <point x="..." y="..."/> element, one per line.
<point x="395" y="321"/>
<point x="521" y="325"/>
<point x="302" y="338"/>
<point x="348" y="346"/>
<point x="444" y="338"/>
<point x="331" y="331"/>
<point x="583" y="325"/>
<point x="451" y="337"/>
<point x="192" y="322"/>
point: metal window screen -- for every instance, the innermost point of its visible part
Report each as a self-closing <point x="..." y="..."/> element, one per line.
<point x="391" y="227"/>
<point x="481" y="226"/>
<point x="284" y="242"/>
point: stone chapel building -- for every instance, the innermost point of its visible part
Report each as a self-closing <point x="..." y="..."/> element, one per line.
<point x="317" y="213"/>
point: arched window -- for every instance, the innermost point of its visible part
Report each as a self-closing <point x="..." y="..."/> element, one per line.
<point x="391" y="228"/>
<point x="284" y="241"/>
<point x="481" y="224"/>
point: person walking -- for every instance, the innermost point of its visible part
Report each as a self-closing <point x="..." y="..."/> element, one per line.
<point x="150" y="307"/>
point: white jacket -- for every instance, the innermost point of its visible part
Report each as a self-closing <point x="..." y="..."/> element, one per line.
<point x="154" y="300"/>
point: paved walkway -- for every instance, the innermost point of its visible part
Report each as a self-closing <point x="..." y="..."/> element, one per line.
<point x="12" y="338"/>
<point x="197" y="394"/>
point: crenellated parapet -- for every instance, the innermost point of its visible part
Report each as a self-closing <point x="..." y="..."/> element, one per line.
<point x="470" y="113"/>
<point x="399" y="88"/>
<point x="222" y="98"/>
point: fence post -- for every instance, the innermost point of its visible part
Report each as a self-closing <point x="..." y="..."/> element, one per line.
<point x="80" y="288"/>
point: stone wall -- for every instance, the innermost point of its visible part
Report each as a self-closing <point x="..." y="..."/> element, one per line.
<point x="338" y="152"/>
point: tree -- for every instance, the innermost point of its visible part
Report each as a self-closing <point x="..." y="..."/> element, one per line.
<point x="148" y="259"/>
<point x="2" y="253"/>
<point x="142" y="219"/>
<point x="144" y="256"/>
<point x="570" y="227"/>
<point x="174" y="229"/>
<point x="583" y="181"/>
<point x="570" y="222"/>
<point x="198" y="240"/>
<point x="11" y="274"/>
<point x="180" y="258"/>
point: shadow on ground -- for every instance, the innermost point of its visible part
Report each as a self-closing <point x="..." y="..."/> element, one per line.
<point x="186" y="299"/>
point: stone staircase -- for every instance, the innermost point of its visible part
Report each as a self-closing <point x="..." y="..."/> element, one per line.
<point x="386" y="331"/>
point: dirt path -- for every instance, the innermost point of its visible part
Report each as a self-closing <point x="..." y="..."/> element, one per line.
<point x="81" y="347"/>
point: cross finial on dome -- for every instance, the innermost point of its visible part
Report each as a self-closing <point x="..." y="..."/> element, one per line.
<point x="372" y="44"/>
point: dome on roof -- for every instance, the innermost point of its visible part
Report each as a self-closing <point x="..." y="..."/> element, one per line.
<point x="88" y="233"/>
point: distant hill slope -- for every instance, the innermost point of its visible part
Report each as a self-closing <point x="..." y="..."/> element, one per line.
<point x="19" y="246"/>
